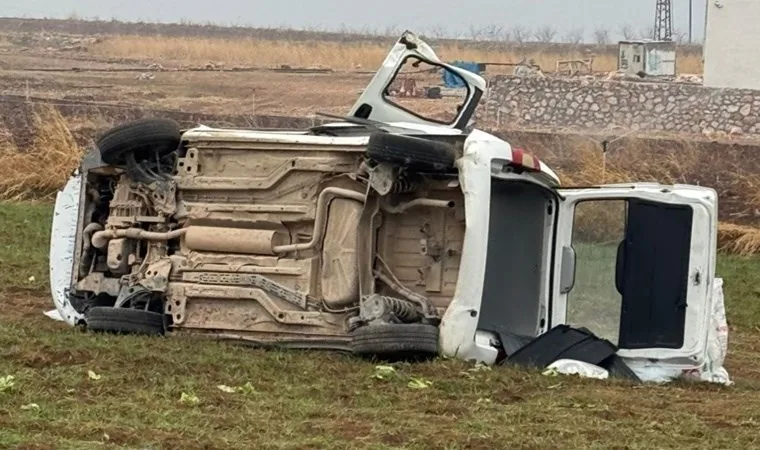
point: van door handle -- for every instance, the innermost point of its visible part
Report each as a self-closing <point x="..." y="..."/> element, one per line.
<point x="620" y="267"/>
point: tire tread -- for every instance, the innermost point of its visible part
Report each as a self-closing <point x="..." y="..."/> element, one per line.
<point x="395" y="340"/>
<point x="125" y="320"/>
<point x="416" y="153"/>
<point x="160" y="134"/>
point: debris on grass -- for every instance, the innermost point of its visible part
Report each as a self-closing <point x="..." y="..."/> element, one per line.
<point x="478" y="367"/>
<point x="30" y="406"/>
<point x="93" y="376"/>
<point x="247" y="388"/>
<point x="189" y="399"/>
<point x="7" y="383"/>
<point x="384" y="372"/>
<point x="467" y="375"/>
<point x="419" y="383"/>
<point x="388" y="372"/>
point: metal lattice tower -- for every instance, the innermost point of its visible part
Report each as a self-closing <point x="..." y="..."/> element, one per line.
<point x="663" y="21"/>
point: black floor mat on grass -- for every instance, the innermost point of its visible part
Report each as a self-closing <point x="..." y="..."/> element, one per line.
<point x="564" y="342"/>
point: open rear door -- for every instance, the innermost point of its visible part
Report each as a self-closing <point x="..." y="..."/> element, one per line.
<point x="635" y="265"/>
<point x="414" y="86"/>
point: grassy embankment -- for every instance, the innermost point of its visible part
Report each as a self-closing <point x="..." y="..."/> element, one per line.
<point x="323" y="400"/>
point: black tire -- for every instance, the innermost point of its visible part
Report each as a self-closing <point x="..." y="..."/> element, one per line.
<point x="414" y="341"/>
<point x="418" y="154"/>
<point x="125" y="321"/>
<point x="144" y="138"/>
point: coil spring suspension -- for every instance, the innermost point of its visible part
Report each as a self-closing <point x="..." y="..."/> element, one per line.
<point x="402" y="309"/>
<point x="404" y="184"/>
<point x="380" y="306"/>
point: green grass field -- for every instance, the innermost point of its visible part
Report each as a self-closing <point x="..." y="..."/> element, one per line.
<point x="323" y="400"/>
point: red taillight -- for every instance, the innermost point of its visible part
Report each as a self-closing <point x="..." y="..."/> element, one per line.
<point x="525" y="160"/>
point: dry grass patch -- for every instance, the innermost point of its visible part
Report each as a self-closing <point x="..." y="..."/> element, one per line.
<point x="685" y="166"/>
<point x="336" y="55"/>
<point x="739" y="239"/>
<point x="41" y="169"/>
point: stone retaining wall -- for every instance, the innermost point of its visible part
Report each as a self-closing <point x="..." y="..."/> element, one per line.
<point x="621" y="106"/>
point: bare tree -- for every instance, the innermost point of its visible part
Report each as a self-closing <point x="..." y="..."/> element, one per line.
<point x="574" y="36"/>
<point x="506" y="35"/>
<point x="437" y="32"/>
<point x="627" y="32"/>
<point x="647" y="33"/>
<point x="520" y="34"/>
<point x="476" y="34"/>
<point x="602" y="36"/>
<point x="391" y="30"/>
<point x="367" y="31"/>
<point x="545" y="34"/>
<point x="681" y="37"/>
<point x="493" y="32"/>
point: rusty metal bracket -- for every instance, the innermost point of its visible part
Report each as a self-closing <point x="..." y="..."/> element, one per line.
<point x="244" y="279"/>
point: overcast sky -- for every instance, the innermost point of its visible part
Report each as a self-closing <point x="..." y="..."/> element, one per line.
<point x="456" y="16"/>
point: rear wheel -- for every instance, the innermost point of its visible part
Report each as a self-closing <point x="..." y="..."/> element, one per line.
<point x="415" y="153"/>
<point x="125" y="321"/>
<point x="390" y="341"/>
<point x="144" y="139"/>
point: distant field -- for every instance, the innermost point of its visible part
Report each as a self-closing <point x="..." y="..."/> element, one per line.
<point x="132" y="399"/>
<point x="347" y="55"/>
<point x="188" y="44"/>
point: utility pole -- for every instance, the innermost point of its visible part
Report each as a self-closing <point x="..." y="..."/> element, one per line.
<point x="691" y="20"/>
<point x="663" y="21"/>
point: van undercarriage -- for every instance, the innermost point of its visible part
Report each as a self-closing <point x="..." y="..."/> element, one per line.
<point x="270" y="242"/>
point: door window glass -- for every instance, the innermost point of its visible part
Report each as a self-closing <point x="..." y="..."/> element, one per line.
<point x="428" y="91"/>
<point x="594" y="302"/>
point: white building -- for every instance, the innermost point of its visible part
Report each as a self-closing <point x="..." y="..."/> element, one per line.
<point x="732" y="44"/>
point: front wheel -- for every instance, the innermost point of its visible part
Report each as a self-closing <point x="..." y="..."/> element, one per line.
<point x="390" y="341"/>
<point x="143" y="139"/>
